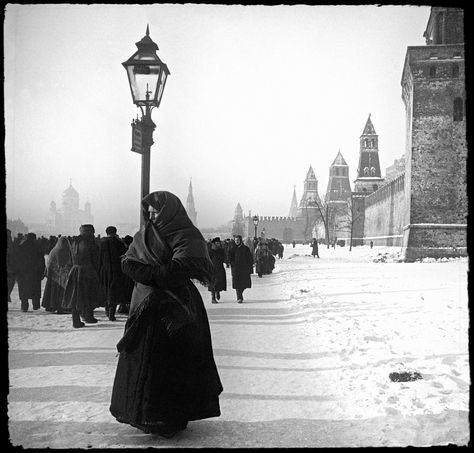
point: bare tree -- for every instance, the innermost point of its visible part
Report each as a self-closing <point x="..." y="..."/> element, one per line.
<point x="324" y="216"/>
<point x="351" y="216"/>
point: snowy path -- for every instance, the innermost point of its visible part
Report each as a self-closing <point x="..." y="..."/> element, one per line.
<point x="304" y="362"/>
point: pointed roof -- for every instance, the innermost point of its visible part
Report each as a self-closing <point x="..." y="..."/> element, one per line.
<point x="339" y="160"/>
<point x="369" y="127"/>
<point x="190" y="190"/>
<point x="310" y="174"/>
<point x="70" y="191"/>
<point x="294" y="204"/>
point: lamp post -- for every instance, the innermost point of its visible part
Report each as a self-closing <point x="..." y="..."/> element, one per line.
<point x="255" y="222"/>
<point x="147" y="76"/>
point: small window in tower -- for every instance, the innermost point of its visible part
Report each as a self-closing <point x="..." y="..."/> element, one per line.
<point x="366" y="171"/>
<point x="372" y="171"/>
<point x="457" y="56"/>
<point x="365" y="142"/>
<point x="432" y="71"/>
<point x="458" y="109"/>
<point x="455" y="72"/>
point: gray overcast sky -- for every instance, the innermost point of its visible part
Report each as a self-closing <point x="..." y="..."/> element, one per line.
<point x="256" y="94"/>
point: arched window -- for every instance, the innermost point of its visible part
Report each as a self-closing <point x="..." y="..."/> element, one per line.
<point x="372" y="171"/>
<point x="458" y="109"/>
<point x="366" y="171"/>
<point x="455" y="70"/>
<point x="432" y="71"/>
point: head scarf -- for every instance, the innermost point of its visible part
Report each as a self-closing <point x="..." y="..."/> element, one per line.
<point x="171" y="235"/>
<point x="61" y="252"/>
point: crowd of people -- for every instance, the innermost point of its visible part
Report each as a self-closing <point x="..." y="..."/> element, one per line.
<point x="82" y="273"/>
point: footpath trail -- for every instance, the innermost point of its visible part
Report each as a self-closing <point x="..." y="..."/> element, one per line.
<point x="278" y="388"/>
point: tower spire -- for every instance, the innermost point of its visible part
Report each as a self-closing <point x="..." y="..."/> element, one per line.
<point x="190" y="209"/>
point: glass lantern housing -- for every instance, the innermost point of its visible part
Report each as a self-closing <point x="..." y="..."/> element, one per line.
<point x="255" y="220"/>
<point x="146" y="73"/>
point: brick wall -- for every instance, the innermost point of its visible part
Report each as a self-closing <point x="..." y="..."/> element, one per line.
<point x="384" y="211"/>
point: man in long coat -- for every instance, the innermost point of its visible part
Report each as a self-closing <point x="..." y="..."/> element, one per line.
<point x="30" y="268"/>
<point x="241" y="263"/>
<point x="113" y="280"/>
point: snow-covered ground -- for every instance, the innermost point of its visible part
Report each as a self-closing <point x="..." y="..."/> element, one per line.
<point x="378" y="316"/>
<point x="315" y="341"/>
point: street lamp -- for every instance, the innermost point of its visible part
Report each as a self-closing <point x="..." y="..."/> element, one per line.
<point x="147" y="76"/>
<point x="255" y="222"/>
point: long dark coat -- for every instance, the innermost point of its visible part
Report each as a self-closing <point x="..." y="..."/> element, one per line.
<point x="83" y="288"/>
<point x="219" y="279"/>
<point x="314" y="247"/>
<point x="30" y="269"/>
<point x="114" y="282"/>
<point x="57" y="270"/>
<point x="166" y="375"/>
<point x="241" y="263"/>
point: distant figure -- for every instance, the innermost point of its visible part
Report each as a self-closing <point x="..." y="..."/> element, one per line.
<point x="314" y="246"/>
<point x="280" y="251"/>
<point x="57" y="269"/>
<point x="11" y="263"/>
<point x="83" y="293"/>
<point x="371" y="244"/>
<point x="219" y="281"/>
<point x="166" y="374"/>
<point x="129" y="283"/>
<point x="293" y="243"/>
<point x="111" y="249"/>
<point x="241" y="262"/>
<point x="31" y="267"/>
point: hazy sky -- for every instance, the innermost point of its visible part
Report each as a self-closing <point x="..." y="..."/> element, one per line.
<point x="256" y="94"/>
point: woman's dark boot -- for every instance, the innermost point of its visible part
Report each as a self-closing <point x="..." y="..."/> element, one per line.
<point x="76" y="319"/>
<point x="111" y="312"/>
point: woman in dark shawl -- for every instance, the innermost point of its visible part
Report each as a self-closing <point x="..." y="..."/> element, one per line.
<point x="219" y="280"/>
<point x="57" y="269"/>
<point x="83" y="291"/>
<point x="30" y="268"/>
<point x="166" y="374"/>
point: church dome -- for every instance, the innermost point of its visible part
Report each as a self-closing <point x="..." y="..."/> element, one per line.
<point x="70" y="192"/>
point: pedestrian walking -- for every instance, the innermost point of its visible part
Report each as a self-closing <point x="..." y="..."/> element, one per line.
<point x="83" y="293"/>
<point x="293" y="244"/>
<point x="218" y="281"/>
<point x="166" y="374"/>
<point x="129" y="283"/>
<point x="57" y="269"/>
<point x="31" y="268"/>
<point x="111" y="249"/>
<point x="11" y="263"/>
<point x="371" y="244"/>
<point x="314" y="247"/>
<point x="241" y="263"/>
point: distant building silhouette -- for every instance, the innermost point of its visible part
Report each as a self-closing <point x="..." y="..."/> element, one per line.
<point x="69" y="217"/>
<point x="190" y="209"/>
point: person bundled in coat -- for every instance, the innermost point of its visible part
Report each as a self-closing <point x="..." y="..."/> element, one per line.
<point x="166" y="374"/>
<point x="30" y="271"/>
<point x="114" y="283"/>
<point x="314" y="248"/>
<point x="219" y="280"/>
<point x="57" y="269"/>
<point x="241" y="263"/>
<point x="83" y="293"/>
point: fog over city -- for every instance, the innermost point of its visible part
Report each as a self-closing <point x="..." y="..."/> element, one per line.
<point x="255" y="95"/>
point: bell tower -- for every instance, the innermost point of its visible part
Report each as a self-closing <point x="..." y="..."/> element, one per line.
<point x="369" y="177"/>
